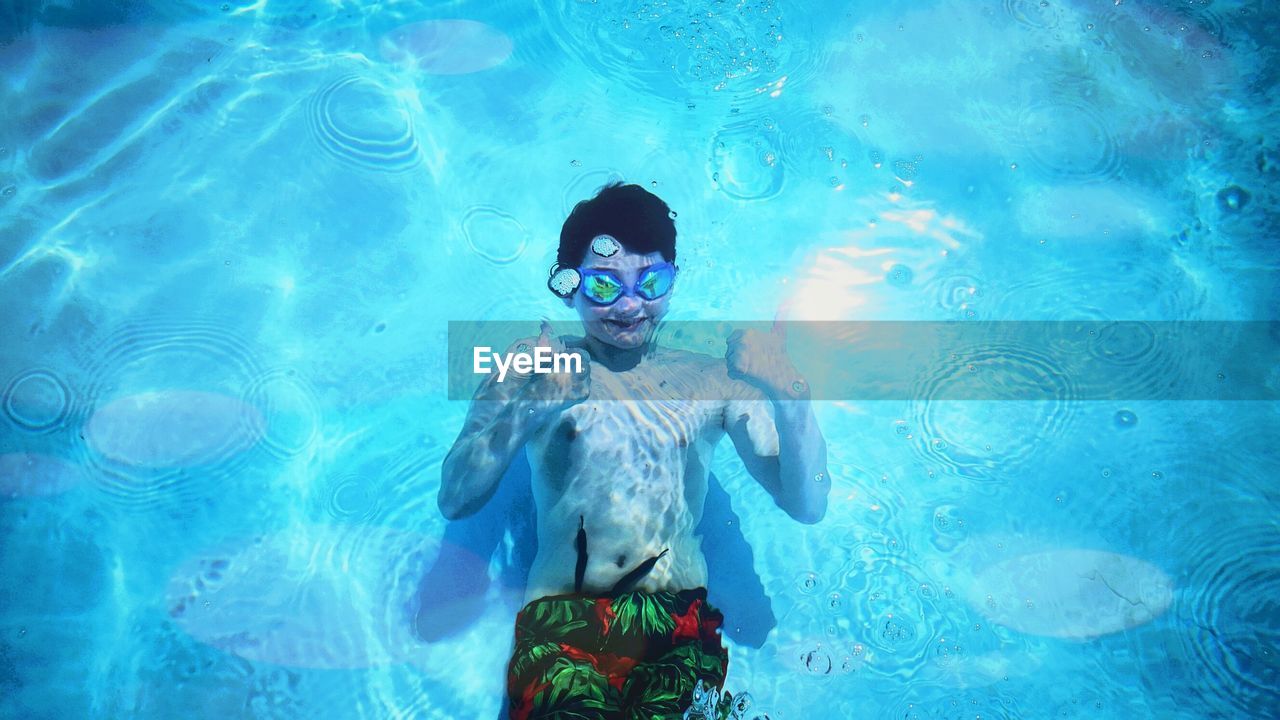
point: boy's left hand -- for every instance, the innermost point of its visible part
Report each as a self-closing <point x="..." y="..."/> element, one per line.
<point x="761" y="359"/>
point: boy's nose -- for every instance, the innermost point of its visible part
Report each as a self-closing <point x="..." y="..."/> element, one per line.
<point x="627" y="304"/>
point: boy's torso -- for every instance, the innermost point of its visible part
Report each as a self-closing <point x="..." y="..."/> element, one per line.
<point x="634" y="467"/>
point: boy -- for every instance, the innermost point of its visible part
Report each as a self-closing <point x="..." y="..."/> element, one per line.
<point x="621" y="627"/>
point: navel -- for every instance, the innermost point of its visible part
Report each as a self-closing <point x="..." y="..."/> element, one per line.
<point x="568" y="430"/>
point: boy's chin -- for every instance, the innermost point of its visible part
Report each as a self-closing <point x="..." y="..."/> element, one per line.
<point x="622" y="341"/>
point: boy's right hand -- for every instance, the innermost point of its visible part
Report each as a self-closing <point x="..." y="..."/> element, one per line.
<point x="547" y="393"/>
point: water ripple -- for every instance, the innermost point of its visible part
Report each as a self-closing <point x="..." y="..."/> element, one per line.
<point x="166" y="416"/>
<point x="745" y="159"/>
<point x="37" y="400"/>
<point x="586" y="185"/>
<point x="1148" y="363"/>
<point x="1070" y="141"/>
<point x="290" y="410"/>
<point x="494" y="235"/>
<point x="1154" y="289"/>
<point x="992" y="445"/>
<point x="358" y="121"/>
<point x="1039" y="14"/>
<point x="1231" y="619"/>
<point x="898" y="621"/>
<point x="957" y="293"/>
<point x="352" y="497"/>
<point x="672" y="50"/>
<point x="1202" y="19"/>
<point x="986" y="704"/>
<point x="814" y="147"/>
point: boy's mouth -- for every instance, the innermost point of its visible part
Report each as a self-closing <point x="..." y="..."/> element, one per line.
<point x="626" y="325"/>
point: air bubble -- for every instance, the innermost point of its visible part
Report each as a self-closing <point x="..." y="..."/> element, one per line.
<point x="899" y="275"/>
<point x="1233" y="199"/>
<point x="808" y="582"/>
<point x="817" y="662"/>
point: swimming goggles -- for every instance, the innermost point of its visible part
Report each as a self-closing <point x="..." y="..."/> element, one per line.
<point x="604" y="287"/>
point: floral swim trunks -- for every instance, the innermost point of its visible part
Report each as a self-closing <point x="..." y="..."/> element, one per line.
<point x="637" y="656"/>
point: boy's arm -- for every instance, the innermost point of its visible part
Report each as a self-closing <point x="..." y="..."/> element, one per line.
<point x="495" y="430"/>
<point x="781" y="446"/>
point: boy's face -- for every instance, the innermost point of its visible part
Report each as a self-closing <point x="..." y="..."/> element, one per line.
<point x="629" y="321"/>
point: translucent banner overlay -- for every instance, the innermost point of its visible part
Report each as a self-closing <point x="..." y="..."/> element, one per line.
<point x="1006" y="360"/>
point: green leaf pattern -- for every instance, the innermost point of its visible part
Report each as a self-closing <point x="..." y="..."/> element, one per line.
<point x="657" y="682"/>
<point x="654" y="619"/>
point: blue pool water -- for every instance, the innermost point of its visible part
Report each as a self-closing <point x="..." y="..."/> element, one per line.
<point x="232" y="235"/>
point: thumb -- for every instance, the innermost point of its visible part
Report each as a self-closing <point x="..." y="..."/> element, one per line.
<point x="544" y="337"/>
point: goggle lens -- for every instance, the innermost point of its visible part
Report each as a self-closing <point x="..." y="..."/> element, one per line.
<point x="603" y="289"/>
<point x="656" y="282"/>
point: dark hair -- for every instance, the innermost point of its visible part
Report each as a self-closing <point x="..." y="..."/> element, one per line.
<point x="639" y="220"/>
